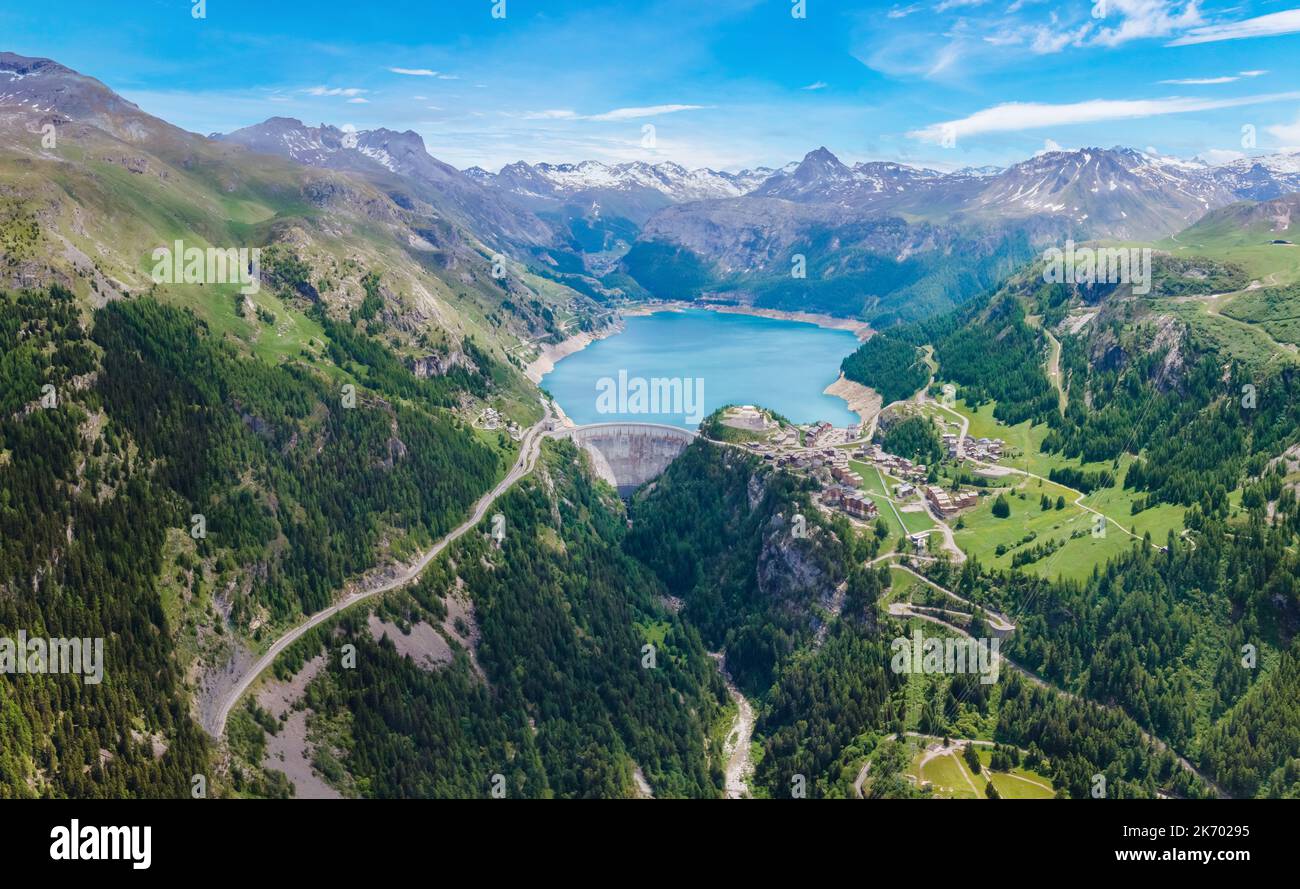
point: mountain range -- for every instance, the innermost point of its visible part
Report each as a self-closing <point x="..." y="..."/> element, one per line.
<point x="880" y="240"/>
<point x="1093" y="185"/>
<point x="562" y="182"/>
<point x="907" y="240"/>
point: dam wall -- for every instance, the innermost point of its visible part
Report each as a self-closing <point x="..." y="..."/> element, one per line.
<point x="627" y="455"/>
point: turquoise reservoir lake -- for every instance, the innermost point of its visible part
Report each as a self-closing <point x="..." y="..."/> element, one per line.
<point x="662" y="366"/>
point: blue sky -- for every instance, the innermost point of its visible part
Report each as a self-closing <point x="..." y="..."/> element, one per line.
<point x="725" y="83"/>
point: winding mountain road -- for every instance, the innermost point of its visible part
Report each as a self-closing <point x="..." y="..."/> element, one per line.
<point x="529" y="449"/>
<point x="998" y="621"/>
<point x="1006" y="625"/>
<point x="900" y="609"/>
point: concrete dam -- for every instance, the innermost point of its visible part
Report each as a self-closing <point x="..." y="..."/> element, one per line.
<point x="627" y="455"/>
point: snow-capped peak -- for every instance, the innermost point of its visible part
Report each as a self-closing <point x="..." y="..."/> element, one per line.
<point x="670" y="179"/>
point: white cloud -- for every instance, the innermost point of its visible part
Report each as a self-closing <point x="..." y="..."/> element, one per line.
<point x="1251" y="73"/>
<point x="1143" y="19"/>
<point x="1052" y="40"/>
<point x="1271" y="25"/>
<point x="1017" y="116"/>
<point x="333" y="91"/>
<point x="902" y="12"/>
<point x="1288" y="134"/>
<point x="1201" y="81"/>
<point x="551" y="114"/>
<point x="424" y="72"/>
<point x="1120" y="21"/>
<point x="616" y="114"/>
<point x="816" y="85"/>
<point x="1216" y="156"/>
<point x="646" y="111"/>
<point x="358" y="101"/>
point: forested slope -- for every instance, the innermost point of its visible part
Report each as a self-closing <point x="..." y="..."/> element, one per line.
<point x="166" y="493"/>
<point x="892" y="367"/>
<point x="271" y="454"/>
<point x="587" y="673"/>
<point x="81" y="535"/>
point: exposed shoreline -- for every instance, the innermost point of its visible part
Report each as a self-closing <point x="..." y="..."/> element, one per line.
<point x="862" y="400"/>
<point x="553" y="352"/>
<point x="861" y="329"/>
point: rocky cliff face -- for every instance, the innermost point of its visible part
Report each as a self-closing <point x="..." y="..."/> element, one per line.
<point x="795" y="572"/>
<point x="438" y="365"/>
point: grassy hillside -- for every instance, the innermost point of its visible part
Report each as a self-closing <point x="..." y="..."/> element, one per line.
<point x="89" y="213"/>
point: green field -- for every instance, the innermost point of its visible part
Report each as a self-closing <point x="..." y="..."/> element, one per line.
<point x="1019" y="783"/>
<point x="1274" y="309"/>
<point x="283" y="339"/>
<point x="1116" y="503"/>
<point x="901" y="586"/>
<point x="1014" y="786"/>
<point x="1247" y="342"/>
<point x="1226" y="240"/>
<point x="982" y="533"/>
<point x="951" y="778"/>
<point x="1255" y="326"/>
<point x="874" y="484"/>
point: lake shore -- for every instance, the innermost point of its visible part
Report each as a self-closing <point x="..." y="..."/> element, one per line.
<point x="861" y="329"/>
<point x="862" y="400"/>
<point x="544" y="363"/>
